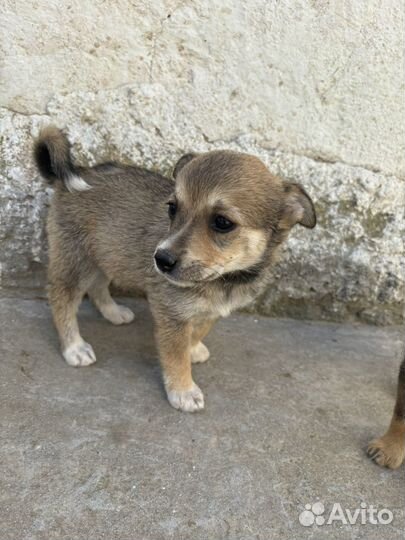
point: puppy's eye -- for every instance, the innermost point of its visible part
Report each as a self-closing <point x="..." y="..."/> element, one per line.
<point x="222" y="224"/>
<point x="172" y="209"/>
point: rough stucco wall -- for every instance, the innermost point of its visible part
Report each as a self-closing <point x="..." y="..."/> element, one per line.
<point x="315" y="88"/>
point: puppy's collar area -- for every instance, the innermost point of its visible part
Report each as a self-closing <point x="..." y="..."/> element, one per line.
<point x="241" y="277"/>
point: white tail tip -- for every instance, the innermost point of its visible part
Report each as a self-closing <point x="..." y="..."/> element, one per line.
<point x="76" y="183"/>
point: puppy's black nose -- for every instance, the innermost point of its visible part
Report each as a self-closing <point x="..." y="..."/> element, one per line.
<point x="165" y="260"/>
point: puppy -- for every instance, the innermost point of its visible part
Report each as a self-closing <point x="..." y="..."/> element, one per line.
<point x="199" y="245"/>
<point x="389" y="450"/>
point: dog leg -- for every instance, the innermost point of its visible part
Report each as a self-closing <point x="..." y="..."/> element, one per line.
<point x="174" y="340"/>
<point x="389" y="450"/>
<point x="199" y="352"/>
<point x="64" y="304"/>
<point x="110" y="310"/>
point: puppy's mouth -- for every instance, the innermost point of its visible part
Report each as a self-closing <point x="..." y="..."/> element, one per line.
<point x="190" y="276"/>
<point x="181" y="279"/>
<point x="198" y="274"/>
<point x="181" y="282"/>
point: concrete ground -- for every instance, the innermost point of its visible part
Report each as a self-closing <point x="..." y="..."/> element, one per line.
<point x="98" y="453"/>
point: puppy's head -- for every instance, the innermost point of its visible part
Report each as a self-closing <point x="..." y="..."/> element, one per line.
<point x="225" y="211"/>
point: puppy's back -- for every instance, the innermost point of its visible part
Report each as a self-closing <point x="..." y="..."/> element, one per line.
<point x="111" y="212"/>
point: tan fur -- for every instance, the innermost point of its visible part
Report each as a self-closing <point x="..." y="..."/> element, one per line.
<point x="389" y="450"/>
<point x="115" y="228"/>
<point x="246" y="251"/>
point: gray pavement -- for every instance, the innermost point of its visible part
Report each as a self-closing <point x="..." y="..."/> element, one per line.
<point x="98" y="453"/>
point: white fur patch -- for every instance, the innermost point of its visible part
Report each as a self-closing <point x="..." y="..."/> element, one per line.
<point x="79" y="354"/>
<point x="225" y="309"/>
<point x="117" y="314"/>
<point x="199" y="353"/>
<point x="76" y="183"/>
<point x="186" y="400"/>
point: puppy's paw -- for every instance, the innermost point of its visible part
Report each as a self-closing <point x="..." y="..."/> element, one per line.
<point x="199" y="353"/>
<point x="186" y="400"/>
<point x="117" y="314"/>
<point x="79" y="354"/>
<point x="387" y="451"/>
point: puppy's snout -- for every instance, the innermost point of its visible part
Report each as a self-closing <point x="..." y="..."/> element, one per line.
<point x="165" y="261"/>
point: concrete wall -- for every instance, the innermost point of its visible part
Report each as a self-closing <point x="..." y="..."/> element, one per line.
<point x="315" y="88"/>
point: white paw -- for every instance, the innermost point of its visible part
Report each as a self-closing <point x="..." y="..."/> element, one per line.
<point x="117" y="314"/>
<point x="187" y="400"/>
<point x="79" y="354"/>
<point x="199" y="353"/>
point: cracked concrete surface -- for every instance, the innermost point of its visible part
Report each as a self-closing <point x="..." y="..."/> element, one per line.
<point x="98" y="452"/>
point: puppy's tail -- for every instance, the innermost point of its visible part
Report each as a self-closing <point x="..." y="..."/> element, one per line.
<point x="53" y="159"/>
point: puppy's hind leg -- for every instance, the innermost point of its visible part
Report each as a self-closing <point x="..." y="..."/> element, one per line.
<point x="65" y="302"/>
<point x="110" y="310"/>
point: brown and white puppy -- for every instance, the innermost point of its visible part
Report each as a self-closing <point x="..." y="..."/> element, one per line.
<point x="389" y="450"/>
<point x="227" y="217"/>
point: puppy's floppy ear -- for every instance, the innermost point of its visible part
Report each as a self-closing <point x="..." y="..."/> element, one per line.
<point x="298" y="207"/>
<point x="182" y="162"/>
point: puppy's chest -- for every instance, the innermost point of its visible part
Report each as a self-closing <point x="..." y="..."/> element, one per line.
<point x="219" y="303"/>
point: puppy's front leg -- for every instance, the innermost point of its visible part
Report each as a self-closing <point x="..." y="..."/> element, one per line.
<point x="174" y="344"/>
<point x="389" y="450"/>
<point x="199" y="352"/>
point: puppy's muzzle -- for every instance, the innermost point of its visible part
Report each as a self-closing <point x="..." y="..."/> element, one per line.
<point x="165" y="261"/>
